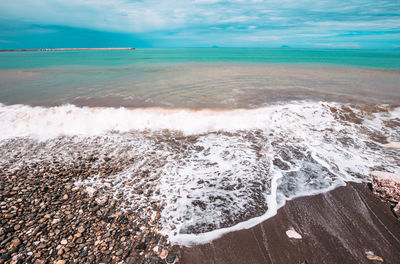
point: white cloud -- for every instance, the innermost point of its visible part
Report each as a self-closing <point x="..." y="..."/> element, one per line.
<point x="324" y="44"/>
<point x="117" y="15"/>
<point x="259" y="38"/>
<point x="379" y="24"/>
<point x="207" y="1"/>
<point x="342" y="45"/>
<point x="237" y="19"/>
<point x="349" y="45"/>
<point x="232" y="1"/>
<point x="268" y="18"/>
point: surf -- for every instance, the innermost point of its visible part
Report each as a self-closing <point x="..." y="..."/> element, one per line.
<point x="208" y="171"/>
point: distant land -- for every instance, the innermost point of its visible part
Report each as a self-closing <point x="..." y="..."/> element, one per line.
<point x="63" y="49"/>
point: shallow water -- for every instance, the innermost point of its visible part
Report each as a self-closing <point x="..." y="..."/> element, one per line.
<point x="217" y="146"/>
<point x="197" y="85"/>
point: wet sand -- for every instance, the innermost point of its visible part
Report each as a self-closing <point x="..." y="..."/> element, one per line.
<point x="336" y="227"/>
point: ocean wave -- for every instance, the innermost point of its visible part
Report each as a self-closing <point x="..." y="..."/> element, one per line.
<point x="210" y="171"/>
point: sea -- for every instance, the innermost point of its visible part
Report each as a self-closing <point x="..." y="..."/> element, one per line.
<point x="218" y="138"/>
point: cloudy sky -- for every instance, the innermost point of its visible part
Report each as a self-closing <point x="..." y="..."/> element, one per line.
<point x="366" y="24"/>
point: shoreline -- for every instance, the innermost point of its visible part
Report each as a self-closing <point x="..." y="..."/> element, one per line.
<point x="48" y="217"/>
<point x="339" y="226"/>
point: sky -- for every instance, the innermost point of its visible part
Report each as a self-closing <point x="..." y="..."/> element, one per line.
<point x="356" y="24"/>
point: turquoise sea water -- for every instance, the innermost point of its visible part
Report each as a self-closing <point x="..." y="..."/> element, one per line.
<point x="360" y="58"/>
<point x="198" y="78"/>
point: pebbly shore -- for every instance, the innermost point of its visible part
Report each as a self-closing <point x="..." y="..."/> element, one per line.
<point x="80" y="200"/>
<point x="46" y="218"/>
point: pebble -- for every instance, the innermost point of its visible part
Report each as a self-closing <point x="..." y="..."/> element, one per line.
<point x="55" y="221"/>
<point x="163" y="254"/>
<point x="83" y="254"/>
<point x="15" y="259"/>
<point x="291" y="233"/>
<point x="15" y="243"/>
<point x="81" y="229"/>
<point x="371" y="256"/>
<point x="396" y="210"/>
<point x="60" y="251"/>
<point x="64" y="242"/>
<point x="158" y="216"/>
<point x="155" y="249"/>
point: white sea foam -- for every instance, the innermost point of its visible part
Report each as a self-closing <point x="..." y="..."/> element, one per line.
<point x="44" y="123"/>
<point x="211" y="171"/>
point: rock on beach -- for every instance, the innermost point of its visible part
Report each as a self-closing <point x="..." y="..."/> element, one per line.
<point x="291" y="233"/>
<point x="386" y="185"/>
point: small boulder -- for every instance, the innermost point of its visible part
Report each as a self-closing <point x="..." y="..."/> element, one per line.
<point x="386" y="185"/>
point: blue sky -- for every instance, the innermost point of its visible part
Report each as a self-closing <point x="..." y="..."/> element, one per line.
<point x="369" y="24"/>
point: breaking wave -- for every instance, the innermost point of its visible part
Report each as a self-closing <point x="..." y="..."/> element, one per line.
<point x="209" y="171"/>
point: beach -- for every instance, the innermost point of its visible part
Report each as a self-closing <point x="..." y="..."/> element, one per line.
<point x="197" y="156"/>
<point x="339" y="226"/>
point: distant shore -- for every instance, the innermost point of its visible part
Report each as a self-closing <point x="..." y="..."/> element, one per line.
<point x="64" y="49"/>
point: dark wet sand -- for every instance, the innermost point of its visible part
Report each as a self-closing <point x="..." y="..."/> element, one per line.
<point x="337" y="227"/>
